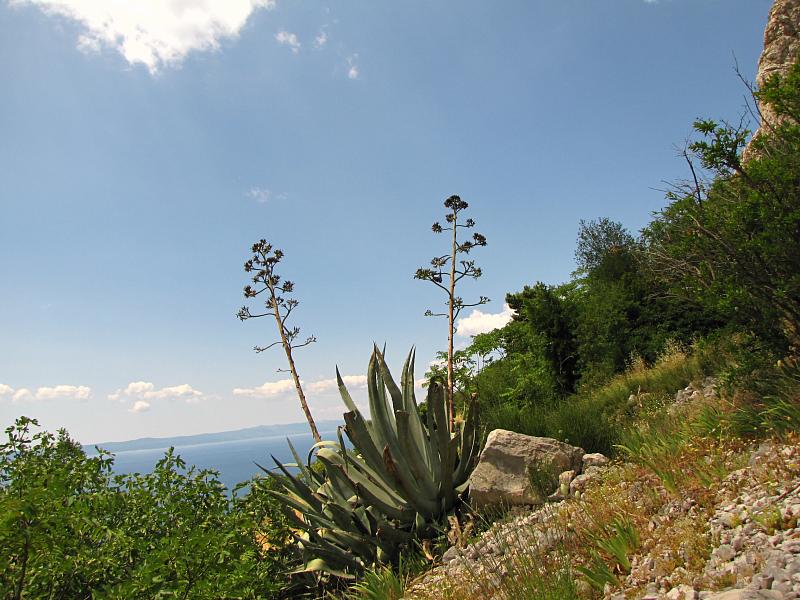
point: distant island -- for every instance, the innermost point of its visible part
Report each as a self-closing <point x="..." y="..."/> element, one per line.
<point x="248" y="433"/>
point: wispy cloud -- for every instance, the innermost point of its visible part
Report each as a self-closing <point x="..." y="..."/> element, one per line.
<point x="267" y="390"/>
<point x="146" y="391"/>
<point x="327" y="385"/>
<point x="6" y="390"/>
<point x="480" y="322"/>
<point x="155" y="33"/>
<point x="264" y="195"/>
<point x="321" y="39"/>
<point x="352" y="70"/>
<point x="288" y="39"/>
<point x="271" y="389"/>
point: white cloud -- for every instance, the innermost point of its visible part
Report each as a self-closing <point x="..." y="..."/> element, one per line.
<point x="352" y="71"/>
<point x="78" y="392"/>
<point x="321" y="39"/>
<point x="183" y="392"/>
<point x="327" y="385"/>
<point x="138" y="388"/>
<point x="268" y="389"/>
<point x="74" y="392"/>
<point x="139" y="406"/>
<point x="21" y="395"/>
<point x="145" y="390"/>
<point x="155" y="33"/>
<point x="480" y="322"/>
<point x="288" y="39"/>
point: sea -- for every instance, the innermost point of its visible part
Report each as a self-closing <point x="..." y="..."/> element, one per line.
<point x="236" y="460"/>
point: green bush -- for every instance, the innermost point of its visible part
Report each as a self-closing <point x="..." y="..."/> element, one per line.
<point x="71" y="529"/>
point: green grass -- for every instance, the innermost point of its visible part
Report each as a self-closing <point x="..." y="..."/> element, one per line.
<point x="596" y="419"/>
<point x="381" y="584"/>
<point x="766" y="404"/>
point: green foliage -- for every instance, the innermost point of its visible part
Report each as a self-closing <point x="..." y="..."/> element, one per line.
<point x="381" y="583"/>
<point x="603" y="249"/>
<point x="543" y="478"/>
<point x="596" y="418"/>
<point x="68" y="528"/>
<point x="389" y="582"/>
<point x="545" y="326"/>
<point x="730" y="237"/>
<point x="531" y="580"/>
<point x="403" y="476"/>
<point x="768" y="403"/>
<point x="611" y="549"/>
<point x="579" y="335"/>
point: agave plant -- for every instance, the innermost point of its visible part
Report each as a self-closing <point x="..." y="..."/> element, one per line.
<point x="401" y="476"/>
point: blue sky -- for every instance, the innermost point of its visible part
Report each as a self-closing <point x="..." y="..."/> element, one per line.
<point x="144" y="151"/>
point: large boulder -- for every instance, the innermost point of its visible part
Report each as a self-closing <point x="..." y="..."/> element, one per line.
<point x="519" y="469"/>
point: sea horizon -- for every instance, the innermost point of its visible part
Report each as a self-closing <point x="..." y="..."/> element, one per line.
<point x="234" y="455"/>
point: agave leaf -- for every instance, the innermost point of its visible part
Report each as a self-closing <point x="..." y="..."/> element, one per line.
<point x="410" y="491"/>
<point x="380" y="390"/>
<point x="360" y="472"/>
<point x="346" y="398"/>
<point x="468" y="443"/>
<point x="298" y="487"/>
<point x="317" y="564"/>
<point x="397" y="537"/>
<point x="394" y="391"/>
<point x="382" y="426"/>
<point x="414" y="459"/>
<point x="436" y="404"/>
<point x="359" y="436"/>
<point x="358" y="432"/>
<point x="402" y="515"/>
<point x="388" y="422"/>
<point x="418" y="430"/>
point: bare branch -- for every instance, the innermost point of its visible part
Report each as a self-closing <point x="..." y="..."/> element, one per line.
<point x="260" y="349"/>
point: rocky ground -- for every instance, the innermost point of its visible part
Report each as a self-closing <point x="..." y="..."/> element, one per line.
<point x="737" y="539"/>
<point x="753" y="532"/>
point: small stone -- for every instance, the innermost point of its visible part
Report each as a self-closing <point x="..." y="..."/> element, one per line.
<point x="784" y="587"/>
<point x="594" y="459"/>
<point x="728" y="519"/>
<point x="449" y="554"/>
<point x="682" y="592"/>
<point x="724" y="553"/>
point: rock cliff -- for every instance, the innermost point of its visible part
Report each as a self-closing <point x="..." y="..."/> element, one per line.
<point x="781" y="46"/>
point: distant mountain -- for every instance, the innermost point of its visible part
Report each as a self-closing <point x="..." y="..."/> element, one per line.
<point x="260" y="431"/>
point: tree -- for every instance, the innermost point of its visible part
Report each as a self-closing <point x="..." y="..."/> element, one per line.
<point x="730" y="236"/>
<point x="266" y="281"/>
<point x="549" y="312"/>
<point x="446" y="271"/>
<point x="599" y="241"/>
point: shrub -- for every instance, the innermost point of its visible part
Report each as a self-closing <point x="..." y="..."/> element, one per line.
<point x="68" y="528"/>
